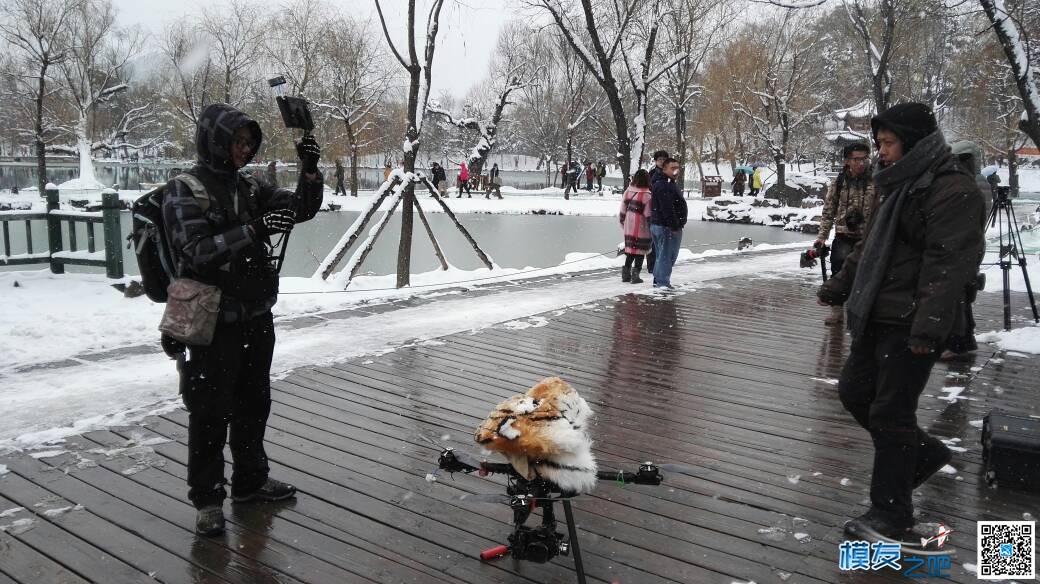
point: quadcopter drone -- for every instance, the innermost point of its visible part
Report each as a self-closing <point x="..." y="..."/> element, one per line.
<point x="541" y="543"/>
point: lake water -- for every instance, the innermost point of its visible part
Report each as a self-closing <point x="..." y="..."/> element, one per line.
<point x="513" y="241"/>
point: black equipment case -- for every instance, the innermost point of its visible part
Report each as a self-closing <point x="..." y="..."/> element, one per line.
<point x="1011" y="450"/>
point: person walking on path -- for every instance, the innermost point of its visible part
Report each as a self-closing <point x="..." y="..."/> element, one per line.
<point x="667" y="219"/>
<point x="386" y="171"/>
<point x="635" y="225"/>
<point x="440" y="180"/>
<point x="739" y="180"/>
<point x="340" y="188"/>
<point x="756" y="181"/>
<point x="590" y="175"/>
<point x="847" y="208"/>
<point x="494" y="182"/>
<point x="271" y="175"/>
<point x="904" y="289"/>
<point x="571" y="180"/>
<point x="463" y="180"/>
<point x="601" y="171"/>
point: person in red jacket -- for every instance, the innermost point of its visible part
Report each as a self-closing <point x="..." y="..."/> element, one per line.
<point x="463" y="182"/>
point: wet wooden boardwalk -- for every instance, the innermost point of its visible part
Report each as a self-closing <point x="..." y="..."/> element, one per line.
<point x="733" y="379"/>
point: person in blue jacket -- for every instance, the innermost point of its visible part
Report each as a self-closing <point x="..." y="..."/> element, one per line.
<point x="667" y="219"/>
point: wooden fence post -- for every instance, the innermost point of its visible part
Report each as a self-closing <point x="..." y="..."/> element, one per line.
<point x="110" y="208"/>
<point x="53" y="228"/>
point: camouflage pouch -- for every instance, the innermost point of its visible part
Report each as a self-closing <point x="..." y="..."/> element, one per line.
<point x="191" y="312"/>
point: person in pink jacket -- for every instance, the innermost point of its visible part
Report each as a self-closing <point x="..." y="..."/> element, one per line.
<point x="464" y="180"/>
<point x="635" y="223"/>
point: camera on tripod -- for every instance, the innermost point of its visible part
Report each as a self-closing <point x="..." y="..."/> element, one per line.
<point x="819" y="251"/>
<point x="1002" y="194"/>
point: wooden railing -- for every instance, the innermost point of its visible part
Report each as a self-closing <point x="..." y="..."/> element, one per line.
<point x="110" y="257"/>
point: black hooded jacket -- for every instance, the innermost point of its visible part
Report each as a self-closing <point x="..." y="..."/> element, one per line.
<point x="216" y="246"/>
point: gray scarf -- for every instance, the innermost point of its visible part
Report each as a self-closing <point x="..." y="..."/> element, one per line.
<point x="893" y="184"/>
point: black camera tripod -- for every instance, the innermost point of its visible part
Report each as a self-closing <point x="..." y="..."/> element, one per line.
<point x="1002" y="216"/>
<point x="542" y="543"/>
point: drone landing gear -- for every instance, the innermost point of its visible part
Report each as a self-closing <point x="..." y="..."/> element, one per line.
<point x="542" y="543"/>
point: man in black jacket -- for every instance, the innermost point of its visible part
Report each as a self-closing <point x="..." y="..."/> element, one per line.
<point x="222" y="236"/>
<point x="903" y="287"/>
<point x="667" y="219"/>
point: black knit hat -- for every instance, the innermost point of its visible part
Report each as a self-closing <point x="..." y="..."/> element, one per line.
<point x="910" y="121"/>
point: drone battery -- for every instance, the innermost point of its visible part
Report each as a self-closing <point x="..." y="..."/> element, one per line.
<point x="1011" y="450"/>
<point x="495" y="552"/>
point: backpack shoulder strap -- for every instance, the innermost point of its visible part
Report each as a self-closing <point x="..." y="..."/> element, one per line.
<point x="197" y="190"/>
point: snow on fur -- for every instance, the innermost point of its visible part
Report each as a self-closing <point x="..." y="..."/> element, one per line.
<point x="543" y="434"/>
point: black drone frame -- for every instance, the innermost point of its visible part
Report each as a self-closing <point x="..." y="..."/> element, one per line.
<point x="542" y="543"/>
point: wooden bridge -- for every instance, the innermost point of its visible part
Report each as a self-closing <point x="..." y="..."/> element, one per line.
<point x="735" y="379"/>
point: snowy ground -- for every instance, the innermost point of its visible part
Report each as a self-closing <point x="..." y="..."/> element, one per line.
<point x="84" y="390"/>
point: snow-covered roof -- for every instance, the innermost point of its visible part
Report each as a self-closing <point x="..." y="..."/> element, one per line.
<point x="844" y="135"/>
<point x="863" y="109"/>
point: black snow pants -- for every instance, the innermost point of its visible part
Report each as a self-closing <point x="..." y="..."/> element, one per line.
<point x="880" y="386"/>
<point x="227" y="385"/>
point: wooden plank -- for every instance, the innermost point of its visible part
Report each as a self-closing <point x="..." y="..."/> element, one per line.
<point x="148" y="517"/>
<point x="116" y="541"/>
<point x="25" y="565"/>
<point x="72" y="552"/>
<point x="280" y="522"/>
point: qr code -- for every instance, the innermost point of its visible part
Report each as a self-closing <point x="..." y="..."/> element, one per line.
<point x="1006" y="549"/>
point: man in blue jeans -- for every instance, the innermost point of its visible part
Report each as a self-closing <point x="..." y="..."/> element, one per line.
<point x="667" y="219"/>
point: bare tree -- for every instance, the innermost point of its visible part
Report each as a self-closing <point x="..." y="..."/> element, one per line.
<point x="877" y="47"/>
<point x="1017" y="52"/>
<point x="782" y="95"/>
<point x="295" y="41"/>
<point x="694" y="28"/>
<point x="353" y="82"/>
<point x="509" y="72"/>
<point x="235" y="33"/>
<point x="420" y="73"/>
<point x="38" y="30"/>
<point x="192" y="74"/>
<point x="613" y="22"/>
<point x="94" y="73"/>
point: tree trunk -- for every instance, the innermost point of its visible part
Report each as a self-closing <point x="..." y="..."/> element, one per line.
<point x="715" y="153"/>
<point x="1013" y="171"/>
<point x="680" y="145"/>
<point x="86" y="164"/>
<point x="624" y="143"/>
<point x="41" y="155"/>
<point x="567" y="166"/>
<point x="697" y="156"/>
<point x="1015" y="50"/>
<point x="781" y="172"/>
<point x="352" y="142"/>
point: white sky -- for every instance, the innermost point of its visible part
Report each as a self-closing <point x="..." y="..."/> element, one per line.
<point x="468" y="32"/>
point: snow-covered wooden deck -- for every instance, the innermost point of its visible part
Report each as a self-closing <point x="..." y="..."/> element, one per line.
<point x="734" y="379"/>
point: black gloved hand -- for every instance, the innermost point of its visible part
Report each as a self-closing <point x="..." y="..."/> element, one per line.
<point x="271" y="222"/>
<point x="172" y="347"/>
<point x="309" y="153"/>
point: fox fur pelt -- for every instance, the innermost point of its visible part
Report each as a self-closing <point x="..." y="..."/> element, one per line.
<point x="544" y="433"/>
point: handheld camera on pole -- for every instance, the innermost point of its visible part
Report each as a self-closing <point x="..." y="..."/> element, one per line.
<point x="295" y="114"/>
<point x="1002" y="216"/>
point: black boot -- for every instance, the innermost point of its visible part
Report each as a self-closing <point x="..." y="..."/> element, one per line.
<point x="932" y="455"/>
<point x="209" y="520"/>
<point x="271" y="490"/>
<point x="891" y="511"/>
<point x="625" y="274"/>
<point x="635" y="276"/>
